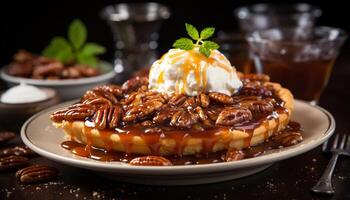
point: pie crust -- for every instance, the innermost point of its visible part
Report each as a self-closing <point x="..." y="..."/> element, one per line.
<point x="183" y="141"/>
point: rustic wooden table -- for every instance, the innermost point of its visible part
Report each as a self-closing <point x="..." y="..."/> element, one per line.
<point x="289" y="179"/>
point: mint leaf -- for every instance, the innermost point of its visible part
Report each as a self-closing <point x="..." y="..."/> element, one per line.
<point x="210" y="45"/>
<point x="87" y="60"/>
<point x="58" y="48"/>
<point x="192" y="31"/>
<point x="65" y="56"/>
<point x="92" y="49"/>
<point x="184" y="43"/>
<point x="207" y="33"/>
<point x="204" y="51"/>
<point x="77" y="33"/>
<point x="205" y="47"/>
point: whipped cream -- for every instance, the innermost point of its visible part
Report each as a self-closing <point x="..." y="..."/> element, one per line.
<point x="23" y="94"/>
<point x="190" y="72"/>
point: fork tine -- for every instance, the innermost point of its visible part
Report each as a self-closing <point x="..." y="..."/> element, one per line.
<point x="343" y="141"/>
<point x="335" y="141"/>
<point x="325" y="145"/>
<point x="348" y="143"/>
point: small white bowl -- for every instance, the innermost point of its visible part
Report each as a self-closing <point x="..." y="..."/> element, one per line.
<point x="67" y="89"/>
<point x="15" y="114"/>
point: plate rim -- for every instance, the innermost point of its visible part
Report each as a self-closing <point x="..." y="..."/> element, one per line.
<point x="181" y="169"/>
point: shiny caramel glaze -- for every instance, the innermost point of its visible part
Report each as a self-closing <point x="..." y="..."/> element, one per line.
<point x="152" y="135"/>
<point x="99" y="106"/>
<point x="250" y="152"/>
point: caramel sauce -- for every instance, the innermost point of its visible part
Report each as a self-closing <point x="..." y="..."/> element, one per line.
<point x="108" y="155"/>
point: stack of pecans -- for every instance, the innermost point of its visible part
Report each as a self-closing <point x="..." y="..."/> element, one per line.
<point x="132" y="103"/>
<point x="27" y="65"/>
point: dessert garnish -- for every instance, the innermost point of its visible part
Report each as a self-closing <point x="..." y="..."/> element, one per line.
<point x="23" y="94"/>
<point x="187" y="70"/>
<point x="205" y="46"/>
<point x="193" y="108"/>
<point x="75" y="49"/>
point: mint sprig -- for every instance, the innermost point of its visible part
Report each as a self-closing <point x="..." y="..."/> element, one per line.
<point x="75" y="49"/>
<point x="205" y="46"/>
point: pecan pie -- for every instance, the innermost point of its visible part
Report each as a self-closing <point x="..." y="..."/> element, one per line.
<point x="135" y="119"/>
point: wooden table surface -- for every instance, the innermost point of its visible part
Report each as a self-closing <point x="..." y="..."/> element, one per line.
<point x="288" y="179"/>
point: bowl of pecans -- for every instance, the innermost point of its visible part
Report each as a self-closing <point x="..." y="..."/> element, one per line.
<point x="70" y="82"/>
<point x="68" y="65"/>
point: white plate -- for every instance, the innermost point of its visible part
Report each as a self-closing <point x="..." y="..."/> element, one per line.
<point x="43" y="138"/>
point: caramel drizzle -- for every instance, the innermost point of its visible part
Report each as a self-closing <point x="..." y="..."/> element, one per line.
<point x="181" y="137"/>
<point x="192" y="63"/>
<point x="105" y="155"/>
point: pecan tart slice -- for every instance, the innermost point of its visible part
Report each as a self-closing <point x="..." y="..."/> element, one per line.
<point x="134" y="119"/>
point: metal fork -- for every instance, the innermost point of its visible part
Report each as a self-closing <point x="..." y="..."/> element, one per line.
<point x="340" y="146"/>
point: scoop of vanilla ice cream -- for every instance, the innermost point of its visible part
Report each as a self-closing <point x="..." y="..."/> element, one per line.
<point x="23" y="94"/>
<point x="190" y="72"/>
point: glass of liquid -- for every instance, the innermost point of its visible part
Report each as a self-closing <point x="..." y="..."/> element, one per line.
<point x="264" y="16"/>
<point x="300" y="60"/>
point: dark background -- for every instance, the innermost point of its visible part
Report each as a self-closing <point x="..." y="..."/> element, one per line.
<point x="31" y="24"/>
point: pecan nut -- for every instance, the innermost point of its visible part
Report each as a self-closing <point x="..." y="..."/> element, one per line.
<point x="165" y="114"/>
<point x="53" y="68"/>
<point x="201" y="114"/>
<point x="24" y="69"/>
<point x="213" y="112"/>
<point x="23" y="56"/>
<point x="109" y="92"/>
<point x="6" y="136"/>
<point x="142" y="110"/>
<point x="150" y="161"/>
<point x="36" y="173"/>
<point x="99" y="101"/>
<point x="74" y="112"/>
<point x="258" y="105"/>
<point x="190" y="103"/>
<point x="134" y="84"/>
<point x="177" y="99"/>
<point x="107" y="116"/>
<point x="183" y="119"/>
<point x="288" y="138"/>
<point x="221" y="98"/>
<point x="12" y="162"/>
<point x="261" y="107"/>
<point x="232" y="115"/>
<point x="234" y="155"/>
<point x="255" y="88"/>
<point x="202" y="100"/>
<point x="255" y="77"/>
<point x="17" y="151"/>
<point x="86" y="71"/>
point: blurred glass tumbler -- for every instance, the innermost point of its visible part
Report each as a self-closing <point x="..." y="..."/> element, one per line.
<point x="135" y="29"/>
<point x="263" y="16"/>
<point x="235" y="47"/>
<point x="299" y="61"/>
